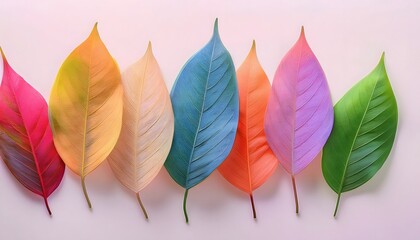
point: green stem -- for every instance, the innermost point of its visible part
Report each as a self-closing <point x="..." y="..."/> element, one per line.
<point x="85" y="192"/>
<point x="254" y="213"/>
<point x="142" y="207"/>
<point x="336" y="205"/>
<point x="295" y="193"/>
<point x="185" y="205"/>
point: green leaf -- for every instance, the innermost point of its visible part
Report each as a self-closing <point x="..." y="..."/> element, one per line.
<point x="365" y="123"/>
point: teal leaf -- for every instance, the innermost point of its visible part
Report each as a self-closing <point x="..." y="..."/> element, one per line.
<point x="206" y="108"/>
<point x="365" y="124"/>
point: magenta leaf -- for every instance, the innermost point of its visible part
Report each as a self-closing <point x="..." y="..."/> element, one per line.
<point x="26" y="142"/>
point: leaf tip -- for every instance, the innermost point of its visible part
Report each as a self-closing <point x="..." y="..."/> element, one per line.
<point x="382" y="57"/>
<point x="216" y="27"/>
<point x="302" y="31"/>
<point x="381" y="63"/>
<point x="149" y="47"/>
<point x="5" y="62"/>
<point x="2" y="55"/>
<point x="253" y="50"/>
<point x="95" y="29"/>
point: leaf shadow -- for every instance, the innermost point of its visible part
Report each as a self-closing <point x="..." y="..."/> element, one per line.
<point x="215" y="193"/>
<point x="271" y="187"/>
<point x="100" y="182"/>
<point x="228" y="189"/>
<point x="160" y="191"/>
<point x="208" y="194"/>
<point x="310" y="179"/>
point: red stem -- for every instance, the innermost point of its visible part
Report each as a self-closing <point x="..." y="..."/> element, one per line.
<point x="48" y="207"/>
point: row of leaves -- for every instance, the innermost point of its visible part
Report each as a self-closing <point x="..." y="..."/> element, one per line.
<point x="213" y="118"/>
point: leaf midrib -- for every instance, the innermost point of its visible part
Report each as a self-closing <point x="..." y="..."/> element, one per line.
<point x="136" y="117"/>
<point x="201" y="114"/>
<point x="86" y="113"/>
<point x="356" y="134"/>
<point x="250" y="68"/>
<point x="41" y="181"/>
<point x="247" y="131"/>
<point x="295" y="111"/>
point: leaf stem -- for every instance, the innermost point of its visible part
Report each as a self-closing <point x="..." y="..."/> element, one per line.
<point x="85" y="192"/>
<point x="254" y="213"/>
<point x="142" y="207"/>
<point x="48" y="207"/>
<point x="185" y="205"/>
<point x="336" y="205"/>
<point x="295" y="193"/>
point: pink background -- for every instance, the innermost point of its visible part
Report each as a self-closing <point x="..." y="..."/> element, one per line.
<point x="348" y="38"/>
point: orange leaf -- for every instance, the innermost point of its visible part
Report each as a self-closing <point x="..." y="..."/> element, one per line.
<point x="251" y="160"/>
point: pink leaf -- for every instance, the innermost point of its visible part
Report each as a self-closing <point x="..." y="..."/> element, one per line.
<point x="26" y="141"/>
<point x="299" y="115"/>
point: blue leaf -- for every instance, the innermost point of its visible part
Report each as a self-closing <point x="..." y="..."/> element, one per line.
<point x="206" y="108"/>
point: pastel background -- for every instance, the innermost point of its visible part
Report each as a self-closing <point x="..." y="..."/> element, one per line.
<point x="348" y="38"/>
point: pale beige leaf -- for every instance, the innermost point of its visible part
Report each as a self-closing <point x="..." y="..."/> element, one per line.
<point x="148" y="125"/>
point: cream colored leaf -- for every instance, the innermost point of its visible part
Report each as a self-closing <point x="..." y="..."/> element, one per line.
<point x="148" y="125"/>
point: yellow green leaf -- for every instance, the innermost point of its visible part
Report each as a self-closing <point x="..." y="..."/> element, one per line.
<point x="86" y="105"/>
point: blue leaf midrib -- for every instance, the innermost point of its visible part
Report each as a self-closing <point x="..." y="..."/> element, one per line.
<point x="201" y="115"/>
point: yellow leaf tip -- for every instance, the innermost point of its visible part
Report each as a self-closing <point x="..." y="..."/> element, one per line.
<point x="383" y="57"/>
<point x="95" y="29"/>
<point x="149" y="47"/>
<point x="253" y="48"/>
<point x="382" y="60"/>
<point x="3" y="56"/>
